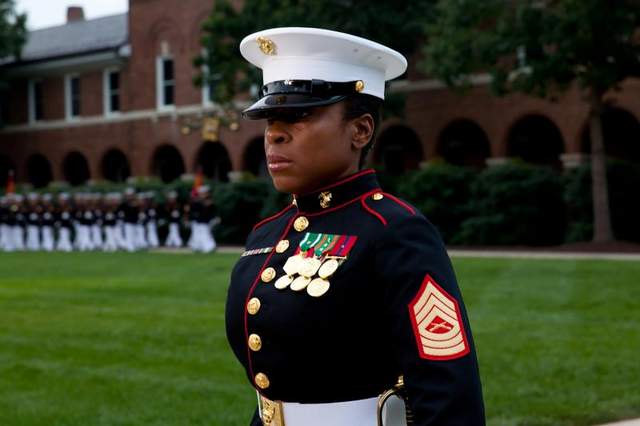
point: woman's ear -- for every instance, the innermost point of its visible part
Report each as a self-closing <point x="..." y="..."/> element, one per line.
<point x="361" y="130"/>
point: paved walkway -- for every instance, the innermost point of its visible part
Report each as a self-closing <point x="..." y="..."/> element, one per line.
<point x="632" y="422"/>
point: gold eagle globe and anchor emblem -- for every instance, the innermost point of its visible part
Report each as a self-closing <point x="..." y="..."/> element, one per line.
<point x="266" y="45"/>
<point x="325" y="199"/>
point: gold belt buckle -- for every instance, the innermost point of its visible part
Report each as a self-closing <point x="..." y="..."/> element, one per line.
<point x="270" y="411"/>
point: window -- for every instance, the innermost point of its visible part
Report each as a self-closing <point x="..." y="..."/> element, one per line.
<point x="72" y="96"/>
<point x="36" y="110"/>
<point x="111" y="84"/>
<point x="165" y="82"/>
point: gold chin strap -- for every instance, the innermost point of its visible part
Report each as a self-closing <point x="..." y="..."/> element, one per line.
<point x="270" y="412"/>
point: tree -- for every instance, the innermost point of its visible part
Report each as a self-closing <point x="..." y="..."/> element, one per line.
<point x="397" y="24"/>
<point x="542" y="47"/>
<point x="13" y="32"/>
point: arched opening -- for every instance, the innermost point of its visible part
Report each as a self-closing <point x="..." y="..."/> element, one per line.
<point x="6" y="166"/>
<point x="115" y="166"/>
<point x="214" y="161"/>
<point x="398" y="150"/>
<point x="537" y="140"/>
<point x="464" y="143"/>
<point x="38" y="170"/>
<point x="75" y="168"/>
<point x="621" y="131"/>
<point x="254" y="158"/>
<point x="167" y="163"/>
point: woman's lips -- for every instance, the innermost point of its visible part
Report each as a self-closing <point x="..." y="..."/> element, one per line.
<point x="278" y="162"/>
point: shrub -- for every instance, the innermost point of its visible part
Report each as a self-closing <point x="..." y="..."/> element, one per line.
<point x="515" y="204"/>
<point x="441" y="192"/>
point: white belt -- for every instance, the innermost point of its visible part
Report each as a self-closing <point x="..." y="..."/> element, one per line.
<point x="348" y="413"/>
<point x="361" y="412"/>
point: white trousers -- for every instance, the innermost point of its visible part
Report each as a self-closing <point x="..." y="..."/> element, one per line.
<point x="130" y="236"/>
<point x="173" y="239"/>
<point x="121" y="241"/>
<point x="140" y="240"/>
<point x="152" y="234"/>
<point x="110" y="238"/>
<point x="17" y="237"/>
<point x="33" y="238"/>
<point x="201" y="238"/>
<point x="5" y="238"/>
<point x="83" y="238"/>
<point x="64" y="240"/>
<point x="47" y="238"/>
<point x="96" y="237"/>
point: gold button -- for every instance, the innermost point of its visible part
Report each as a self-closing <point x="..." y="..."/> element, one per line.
<point x="255" y="342"/>
<point x="282" y="246"/>
<point x="301" y="223"/>
<point x="359" y="86"/>
<point x="378" y="196"/>
<point x="262" y="380"/>
<point x="268" y="274"/>
<point x="253" y="306"/>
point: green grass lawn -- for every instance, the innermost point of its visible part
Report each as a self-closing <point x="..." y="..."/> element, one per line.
<point x="138" y="339"/>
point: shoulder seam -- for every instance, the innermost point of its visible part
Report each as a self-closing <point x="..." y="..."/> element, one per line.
<point x="270" y="218"/>
<point x="401" y="203"/>
<point x="371" y="210"/>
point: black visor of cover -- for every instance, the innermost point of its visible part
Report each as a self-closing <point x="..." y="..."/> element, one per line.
<point x="290" y="94"/>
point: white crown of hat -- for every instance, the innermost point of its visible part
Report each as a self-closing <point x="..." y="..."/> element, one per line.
<point x="298" y="53"/>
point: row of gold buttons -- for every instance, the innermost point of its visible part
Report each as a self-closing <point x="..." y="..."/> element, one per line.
<point x="268" y="274"/>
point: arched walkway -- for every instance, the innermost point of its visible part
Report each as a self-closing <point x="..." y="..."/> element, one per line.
<point x="537" y="140"/>
<point x="464" y="143"/>
<point x="167" y="163"/>
<point x="214" y="161"/>
<point x="254" y="158"/>
<point x="6" y="166"/>
<point x="621" y="131"/>
<point x="75" y="168"/>
<point x="398" y="150"/>
<point x="38" y="170"/>
<point x="115" y="166"/>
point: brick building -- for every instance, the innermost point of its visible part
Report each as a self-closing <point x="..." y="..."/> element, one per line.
<point x="113" y="97"/>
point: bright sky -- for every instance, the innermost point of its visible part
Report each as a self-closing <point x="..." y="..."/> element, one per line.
<point x="49" y="13"/>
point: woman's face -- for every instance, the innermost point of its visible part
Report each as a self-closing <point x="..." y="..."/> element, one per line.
<point x="304" y="154"/>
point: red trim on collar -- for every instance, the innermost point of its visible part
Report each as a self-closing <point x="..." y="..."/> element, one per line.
<point x="270" y="218"/>
<point x="340" y="182"/>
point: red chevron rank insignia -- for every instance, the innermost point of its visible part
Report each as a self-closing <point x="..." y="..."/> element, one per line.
<point x="437" y="323"/>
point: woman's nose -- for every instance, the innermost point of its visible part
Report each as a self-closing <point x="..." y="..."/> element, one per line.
<point x="276" y="134"/>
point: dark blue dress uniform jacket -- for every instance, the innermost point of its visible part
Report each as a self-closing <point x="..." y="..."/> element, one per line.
<point x="355" y="340"/>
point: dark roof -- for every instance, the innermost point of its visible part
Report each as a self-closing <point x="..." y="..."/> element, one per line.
<point x="76" y="38"/>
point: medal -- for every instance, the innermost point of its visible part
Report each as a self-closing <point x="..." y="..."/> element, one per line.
<point x="283" y="282"/>
<point x="300" y="283"/>
<point x="318" y="287"/>
<point x="328" y="268"/>
<point x="309" y="267"/>
<point x="293" y="264"/>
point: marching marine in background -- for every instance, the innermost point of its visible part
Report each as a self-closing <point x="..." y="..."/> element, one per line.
<point x="347" y="294"/>
<point x="47" y="220"/>
<point x="173" y="216"/>
<point x="32" y="212"/>
<point x="64" y="223"/>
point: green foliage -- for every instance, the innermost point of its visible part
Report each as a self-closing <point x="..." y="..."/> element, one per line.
<point x="515" y="204"/>
<point x="535" y="47"/>
<point x="397" y="24"/>
<point x="241" y="206"/>
<point x="442" y="193"/>
<point x="13" y="32"/>
<point x="623" y="179"/>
